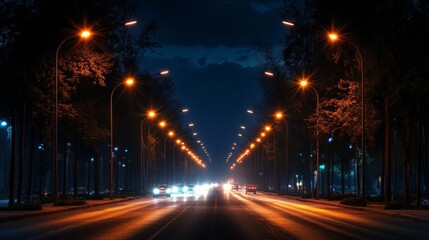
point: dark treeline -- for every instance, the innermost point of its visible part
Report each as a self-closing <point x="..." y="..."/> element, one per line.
<point x="392" y="37"/>
<point x="88" y="72"/>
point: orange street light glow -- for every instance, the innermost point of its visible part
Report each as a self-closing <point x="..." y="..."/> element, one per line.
<point x="333" y="37"/>
<point x="162" y="124"/>
<point x="151" y="114"/>
<point x="85" y="34"/>
<point x="165" y="72"/>
<point x="178" y="141"/>
<point x="129" y="81"/>
<point x="303" y="83"/>
<point x="250" y="111"/>
<point x="171" y="133"/>
<point x="269" y="74"/>
<point x="279" y="115"/>
<point x="267" y="128"/>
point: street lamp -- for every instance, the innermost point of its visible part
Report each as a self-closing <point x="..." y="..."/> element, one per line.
<point x="304" y="83"/>
<point x="333" y="37"/>
<point x="278" y="116"/>
<point x="84" y="35"/>
<point x="151" y="114"/>
<point x="127" y="82"/>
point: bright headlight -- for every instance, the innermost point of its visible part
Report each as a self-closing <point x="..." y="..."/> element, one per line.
<point x="168" y="190"/>
<point x="185" y="188"/>
<point x="175" y="189"/>
<point x="155" y="191"/>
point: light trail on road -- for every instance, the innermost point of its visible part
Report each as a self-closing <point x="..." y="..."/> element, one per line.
<point x="326" y="222"/>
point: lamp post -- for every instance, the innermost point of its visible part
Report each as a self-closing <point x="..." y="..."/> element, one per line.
<point x="304" y="83"/>
<point x="151" y="114"/>
<point x="333" y="37"/>
<point x="170" y="134"/>
<point x="279" y="116"/>
<point x="84" y="35"/>
<point x="128" y="82"/>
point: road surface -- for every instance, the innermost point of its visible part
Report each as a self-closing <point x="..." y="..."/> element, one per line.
<point x="222" y="214"/>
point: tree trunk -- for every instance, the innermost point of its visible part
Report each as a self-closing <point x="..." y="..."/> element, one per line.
<point x="357" y="175"/>
<point x="30" y="167"/>
<point x="419" y="161"/>
<point x="342" y="176"/>
<point x="387" y="163"/>
<point x="12" y="160"/>
<point x="65" y="169"/>
<point x="21" y="156"/>
<point x="287" y="157"/>
<point x="96" y="171"/>
<point x="76" y="169"/>
<point x="406" y="163"/>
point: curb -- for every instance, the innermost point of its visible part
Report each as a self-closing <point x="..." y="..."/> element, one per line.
<point x="43" y="213"/>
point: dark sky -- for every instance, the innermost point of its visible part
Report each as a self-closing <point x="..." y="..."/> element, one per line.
<point x="208" y="46"/>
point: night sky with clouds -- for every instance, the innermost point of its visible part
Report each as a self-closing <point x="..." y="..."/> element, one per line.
<point x="209" y="48"/>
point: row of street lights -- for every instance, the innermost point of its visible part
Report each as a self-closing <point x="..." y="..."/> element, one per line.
<point x="334" y="37"/>
<point x="151" y="114"/>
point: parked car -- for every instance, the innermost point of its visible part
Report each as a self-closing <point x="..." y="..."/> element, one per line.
<point x="251" y="188"/>
<point x="35" y="195"/>
<point x="80" y="191"/>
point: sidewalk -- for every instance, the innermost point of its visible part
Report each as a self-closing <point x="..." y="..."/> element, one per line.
<point x="411" y="214"/>
<point x="49" y="208"/>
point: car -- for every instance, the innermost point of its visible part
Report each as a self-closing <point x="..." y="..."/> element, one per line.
<point x="81" y="191"/>
<point x="39" y="196"/>
<point x="161" y="190"/>
<point x="251" y="188"/>
<point x="235" y="187"/>
<point x="181" y="190"/>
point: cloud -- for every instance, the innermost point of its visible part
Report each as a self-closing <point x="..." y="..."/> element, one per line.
<point x="202" y="60"/>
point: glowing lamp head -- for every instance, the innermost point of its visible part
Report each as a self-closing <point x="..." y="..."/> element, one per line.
<point x="267" y="128"/>
<point x="132" y="22"/>
<point x="85" y="34"/>
<point x="288" y="23"/>
<point x="129" y="82"/>
<point x="270" y="74"/>
<point x="333" y="37"/>
<point x="162" y="124"/>
<point x="165" y="72"/>
<point x="303" y="83"/>
<point x="151" y="114"/>
<point x="171" y="133"/>
<point x="279" y="115"/>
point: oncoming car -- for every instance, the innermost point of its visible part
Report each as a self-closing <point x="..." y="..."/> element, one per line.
<point x="251" y="188"/>
<point x="161" y="190"/>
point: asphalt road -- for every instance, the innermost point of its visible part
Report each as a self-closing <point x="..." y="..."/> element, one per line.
<point x="219" y="215"/>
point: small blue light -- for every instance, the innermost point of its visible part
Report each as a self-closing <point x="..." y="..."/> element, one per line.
<point x="3" y="123"/>
<point x="330" y="139"/>
<point x="116" y="148"/>
<point x="92" y="159"/>
<point x="126" y="150"/>
<point x="350" y="146"/>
